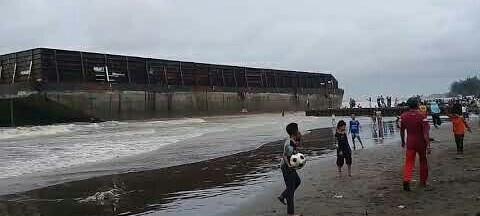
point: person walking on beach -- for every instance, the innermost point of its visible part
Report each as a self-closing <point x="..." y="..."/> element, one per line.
<point x="459" y="127"/>
<point x="344" y="153"/>
<point x="352" y="103"/>
<point x="423" y="109"/>
<point x="354" y="130"/>
<point x="290" y="176"/>
<point x="334" y="121"/>
<point x="382" y="99"/>
<point x="378" y="116"/>
<point x="374" y="119"/>
<point x="418" y="142"/>
<point x="465" y="112"/>
<point x="397" y="122"/>
<point x="435" y="112"/>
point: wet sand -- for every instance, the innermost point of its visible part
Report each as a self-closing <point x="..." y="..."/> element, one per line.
<point x="164" y="191"/>
<point x="375" y="188"/>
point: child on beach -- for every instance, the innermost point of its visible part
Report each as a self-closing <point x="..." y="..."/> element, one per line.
<point x="290" y="176"/>
<point x="354" y="129"/>
<point x="333" y="120"/>
<point x="459" y="126"/>
<point x="344" y="153"/>
<point x="423" y="109"/>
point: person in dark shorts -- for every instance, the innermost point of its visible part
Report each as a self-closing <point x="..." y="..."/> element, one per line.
<point x="290" y="176"/>
<point x="344" y="153"/>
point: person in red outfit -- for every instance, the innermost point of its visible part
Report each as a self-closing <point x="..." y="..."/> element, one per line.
<point x="418" y="142"/>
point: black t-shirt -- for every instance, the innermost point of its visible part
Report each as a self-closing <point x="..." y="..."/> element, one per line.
<point x="342" y="142"/>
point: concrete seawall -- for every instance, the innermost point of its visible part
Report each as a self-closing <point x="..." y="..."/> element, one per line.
<point x="125" y="105"/>
<point x="58" y="104"/>
<point x="36" y="109"/>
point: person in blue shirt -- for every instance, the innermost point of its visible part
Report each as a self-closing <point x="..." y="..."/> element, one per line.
<point x="354" y="130"/>
<point x="435" y="110"/>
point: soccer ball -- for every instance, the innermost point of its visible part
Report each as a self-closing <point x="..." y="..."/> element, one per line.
<point x="298" y="160"/>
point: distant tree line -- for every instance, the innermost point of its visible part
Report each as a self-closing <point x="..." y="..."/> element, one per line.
<point x="469" y="86"/>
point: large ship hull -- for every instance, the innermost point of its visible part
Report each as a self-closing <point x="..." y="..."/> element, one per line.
<point x="81" y="86"/>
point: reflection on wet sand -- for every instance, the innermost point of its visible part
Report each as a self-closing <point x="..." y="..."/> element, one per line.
<point x="154" y="190"/>
<point x="382" y="130"/>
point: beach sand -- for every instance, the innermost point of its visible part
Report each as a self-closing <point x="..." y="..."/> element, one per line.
<point x="376" y="185"/>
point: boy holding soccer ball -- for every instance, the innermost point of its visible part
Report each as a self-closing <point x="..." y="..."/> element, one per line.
<point x="292" y="180"/>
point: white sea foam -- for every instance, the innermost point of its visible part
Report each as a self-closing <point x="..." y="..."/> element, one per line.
<point x="81" y="149"/>
<point x="179" y="121"/>
<point x="20" y="132"/>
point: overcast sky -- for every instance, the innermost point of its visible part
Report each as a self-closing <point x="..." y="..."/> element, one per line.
<point x="372" y="47"/>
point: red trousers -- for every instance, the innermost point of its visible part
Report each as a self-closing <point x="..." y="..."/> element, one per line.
<point x="410" y="164"/>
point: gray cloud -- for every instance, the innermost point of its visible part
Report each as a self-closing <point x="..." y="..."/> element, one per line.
<point x="372" y="47"/>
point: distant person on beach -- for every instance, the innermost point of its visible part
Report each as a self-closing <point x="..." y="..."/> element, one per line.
<point x="418" y="142"/>
<point x="344" y="153"/>
<point x="465" y="112"/>
<point x="379" y="102"/>
<point x="374" y="119"/>
<point x="290" y="176"/>
<point x="397" y="122"/>
<point x="378" y="116"/>
<point x="435" y="112"/>
<point x="369" y="102"/>
<point x="423" y="109"/>
<point x="354" y="130"/>
<point x="374" y="132"/>
<point x="389" y="102"/>
<point x="459" y="127"/>
<point x="334" y="121"/>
